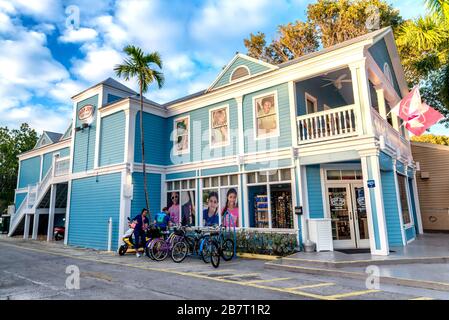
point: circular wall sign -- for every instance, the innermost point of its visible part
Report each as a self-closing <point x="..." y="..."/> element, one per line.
<point x="86" y="112"/>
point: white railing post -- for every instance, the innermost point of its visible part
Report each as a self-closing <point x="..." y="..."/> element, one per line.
<point x="109" y="234"/>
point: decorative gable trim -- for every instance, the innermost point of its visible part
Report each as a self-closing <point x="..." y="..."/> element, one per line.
<point x="43" y="141"/>
<point x="242" y="56"/>
<point x="67" y="134"/>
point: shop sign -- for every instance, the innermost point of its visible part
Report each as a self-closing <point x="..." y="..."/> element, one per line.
<point x="371" y="184"/>
<point x="86" y="113"/>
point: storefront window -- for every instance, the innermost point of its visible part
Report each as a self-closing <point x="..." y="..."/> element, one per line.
<point x="181" y="201"/>
<point x="270" y="196"/>
<point x="335" y="175"/>
<point x="220" y="201"/>
<point x="404" y="202"/>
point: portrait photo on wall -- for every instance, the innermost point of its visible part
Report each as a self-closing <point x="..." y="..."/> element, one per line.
<point x="210" y="214"/>
<point x="188" y="208"/>
<point x="219" y="126"/>
<point x="266" y="115"/>
<point x="182" y="135"/>
<point x="229" y="204"/>
<point x="173" y="206"/>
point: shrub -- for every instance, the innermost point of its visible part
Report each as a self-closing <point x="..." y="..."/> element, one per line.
<point x="271" y="243"/>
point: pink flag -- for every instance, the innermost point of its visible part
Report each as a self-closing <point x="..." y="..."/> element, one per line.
<point x="409" y="107"/>
<point x="427" y="117"/>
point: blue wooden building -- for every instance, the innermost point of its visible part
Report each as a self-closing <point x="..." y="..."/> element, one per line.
<point x="262" y="140"/>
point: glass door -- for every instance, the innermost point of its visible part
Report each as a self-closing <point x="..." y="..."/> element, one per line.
<point x="360" y="216"/>
<point x="341" y="213"/>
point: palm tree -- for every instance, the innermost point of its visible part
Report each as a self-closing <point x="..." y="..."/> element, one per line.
<point x="140" y="65"/>
<point x="439" y="7"/>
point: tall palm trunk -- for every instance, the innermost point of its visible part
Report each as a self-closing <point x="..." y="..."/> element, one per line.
<point x="143" y="151"/>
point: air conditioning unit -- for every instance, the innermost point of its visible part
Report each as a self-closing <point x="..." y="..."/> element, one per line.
<point x="320" y="232"/>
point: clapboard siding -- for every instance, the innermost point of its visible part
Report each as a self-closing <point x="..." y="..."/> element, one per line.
<point x="93" y="201"/>
<point x="154" y="194"/>
<point x="112" y="139"/>
<point x="391" y="208"/>
<point x="284" y="139"/>
<point x="156" y="139"/>
<point x="254" y="68"/>
<point x="29" y="171"/>
<point x="314" y="192"/>
<point x="84" y="145"/>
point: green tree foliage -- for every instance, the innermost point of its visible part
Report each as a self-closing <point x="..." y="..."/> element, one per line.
<point x="144" y="67"/>
<point x="430" y="138"/>
<point x="12" y="143"/>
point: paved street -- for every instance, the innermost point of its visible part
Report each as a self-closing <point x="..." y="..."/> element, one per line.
<point x="37" y="270"/>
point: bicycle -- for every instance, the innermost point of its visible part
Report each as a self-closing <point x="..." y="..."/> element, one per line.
<point x="224" y="246"/>
<point x="158" y="249"/>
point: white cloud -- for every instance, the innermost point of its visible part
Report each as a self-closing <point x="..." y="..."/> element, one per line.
<point x="41" y="10"/>
<point x="78" y="35"/>
<point x="179" y="66"/>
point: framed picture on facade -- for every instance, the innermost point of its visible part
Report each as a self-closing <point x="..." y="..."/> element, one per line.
<point x="229" y="205"/>
<point x="219" y="126"/>
<point x="210" y="214"/>
<point x="182" y="141"/>
<point x="266" y="115"/>
<point x="188" y="208"/>
<point x="173" y="206"/>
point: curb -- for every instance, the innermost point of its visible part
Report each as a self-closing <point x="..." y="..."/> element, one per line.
<point x="424" y="284"/>
<point x="257" y="256"/>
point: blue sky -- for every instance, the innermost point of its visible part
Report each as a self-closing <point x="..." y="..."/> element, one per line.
<point x="43" y="63"/>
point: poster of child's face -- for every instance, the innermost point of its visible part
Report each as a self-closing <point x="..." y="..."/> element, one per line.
<point x="266" y="111"/>
<point x="188" y="208"/>
<point x="210" y="214"/>
<point x="173" y="206"/>
<point x="182" y="135"/>
<point x="229" y="205"/>
<point x="219" y="127"/>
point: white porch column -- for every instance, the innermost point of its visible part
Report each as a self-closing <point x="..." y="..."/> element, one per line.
<point x="303" y="199"/>
<point x="362" y="98"/>
<point x="35" y="226"/>
<point x="374" y="203"/>
<point x="417" y="204"/>
<point x="67" y="213"/>
<point x="26" y="228"/>
<point x="51" y="212"/>
<point x="125" y="202"/>
<point x="381" y="103"/>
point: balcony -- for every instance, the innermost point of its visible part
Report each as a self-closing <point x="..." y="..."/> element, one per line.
<point x="331" y="124"/>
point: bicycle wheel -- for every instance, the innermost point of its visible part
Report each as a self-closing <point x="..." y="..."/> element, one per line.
<point x="179" y="251"/>
<point x="214" y="254"/>
<point x="148" y="251"/>
<point x="227" y="250"/>
<point x="205" y="247"/>
<point x="159" y="250"/>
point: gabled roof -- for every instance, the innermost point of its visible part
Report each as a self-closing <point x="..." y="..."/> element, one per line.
<point x="110" y="83"/>
<point x="47" y="138"/>
<point x="68" y="133"/>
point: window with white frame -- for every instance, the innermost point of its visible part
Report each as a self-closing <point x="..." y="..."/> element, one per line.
<point x="270" y="198"/>
<point x="181" y="201"/>
<point x="338" y="175"/>
<point x="239" y="73"/>
<point x="181" y="132"/>
<point x="266" y="115"/>
<point x="220" y="203"/>
<point x="219" y="126"/>
<point x="402" y="185"/>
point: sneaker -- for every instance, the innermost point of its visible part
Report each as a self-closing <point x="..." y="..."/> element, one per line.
<point x="138" y="255"/>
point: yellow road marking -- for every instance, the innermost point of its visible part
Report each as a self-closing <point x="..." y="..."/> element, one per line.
<point x="239" y="275"/>
<point x="352" y="294"/>
<point x="266" y="280"/>
<point x="317" y="285"/>
<point x="216" y="271"/>
<point x="422" y="298"/>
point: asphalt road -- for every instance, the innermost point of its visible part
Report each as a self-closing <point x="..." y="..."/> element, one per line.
<point x="37" y="270"/>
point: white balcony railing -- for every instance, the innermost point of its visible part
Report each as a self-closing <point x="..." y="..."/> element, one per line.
<point x="62" y="166"/>
<point x="325" y="125"/>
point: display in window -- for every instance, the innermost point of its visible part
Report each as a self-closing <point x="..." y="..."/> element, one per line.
<point x="188" y="208"/>
<point x="338" y="205"/>
<point x="219" y="127"/>
<point x="210" y="208"/>
<point x="281" y="206"/>
<point x="182" y="135"/>
<point x="173" y="206"/>
<point x="230" y="205"/>
<point x="266" y="113"/>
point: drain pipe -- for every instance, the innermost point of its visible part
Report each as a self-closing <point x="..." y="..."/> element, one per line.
<point x="109" y="234"/>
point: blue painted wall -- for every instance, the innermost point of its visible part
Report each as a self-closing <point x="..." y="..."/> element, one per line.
<point x="221" y="170"/>
<point x="274" y="164"/>
<point x="285" y="138"/>
<point x="93" y="201"/>
<point x="19" y="197"/>
<point x="84" y="145"/>
<point x="154" y="192"/>
<point x="380" y="54"/>
<point x="180" y="175"/>
<point x="314" y="192"/>
<point x="253" y="67"/>
<point x="393" y="221"/>
<point x="112" y="98"/>
<point x="48" y="159"/>
<point x="112" y="139"/>
<point x="410" y="233"/>
<point x="156" y="139"/>
<point x="29" y="171"/>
